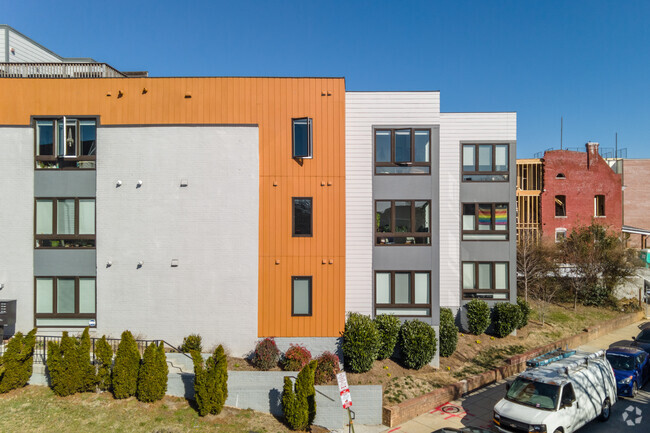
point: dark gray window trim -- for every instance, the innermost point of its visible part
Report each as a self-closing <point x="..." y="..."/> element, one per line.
<point x="309" y="279"/>
<point x="505" y="291"/>
<point x="510" y="143"/>
<point x="54" y="300"/>
<point x="293" y="218"/>
<point x="310" y="134"/>
<point x="485" y="232"/>
<point x="392" y="130"/>
<point x="393" y="305"/>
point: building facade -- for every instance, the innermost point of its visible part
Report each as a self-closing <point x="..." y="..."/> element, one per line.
<point x="636" y="201"/>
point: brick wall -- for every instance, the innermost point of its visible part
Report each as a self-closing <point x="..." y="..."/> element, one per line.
<point x="636" y="197"/>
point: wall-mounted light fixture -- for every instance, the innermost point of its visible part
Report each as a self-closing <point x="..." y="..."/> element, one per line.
<point x="184" y="182"/>
<point x="139" y="184"/>
<point x="118" y="184"/>
<point x="109" y="263"/>
<point x="140" y="263"/>
<point x="174" y="263"/>
<point x="2" y="286"/>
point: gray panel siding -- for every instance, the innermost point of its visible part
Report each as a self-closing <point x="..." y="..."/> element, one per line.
<point x="17" y="216"/>
<point x="28" y="52"/>
<point x="210" y="226"/>
<point x="65" y="263"/>
<point x="64" y="183"/>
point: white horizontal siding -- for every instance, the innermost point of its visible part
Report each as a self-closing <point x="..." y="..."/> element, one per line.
<point x="28" y="52"/>
<point x="362" y="111"/>
<point x="4" y="56"/>
<point x="455" y="128"/>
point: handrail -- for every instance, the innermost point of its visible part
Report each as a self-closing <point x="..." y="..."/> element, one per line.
<point x="58" y="70"/>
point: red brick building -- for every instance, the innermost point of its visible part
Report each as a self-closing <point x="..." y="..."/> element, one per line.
<point x="579" y="187"/>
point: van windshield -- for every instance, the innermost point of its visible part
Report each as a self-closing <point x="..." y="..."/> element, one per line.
<point x="535" y="394"/>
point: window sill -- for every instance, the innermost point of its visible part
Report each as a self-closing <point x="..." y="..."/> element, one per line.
<point x="560" y="216"/>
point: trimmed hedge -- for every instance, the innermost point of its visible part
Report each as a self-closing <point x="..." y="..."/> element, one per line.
<point x="104" y="361"/>
<point x="478" y="316"/>
<point x="448" y="333"/>
<point x="299" y="406"/>
<point x="418" y="343"/>
<point x="152" y="377"/>
<point x="327" y="368"/>
<point x="126" y="368"/>
<point x="210" y="381"/>
<point x="360" y="343"/>
<point x="525" y="312"/>
<point x="192" y="342"/>
<point x="296" y="358"/>
<point x="266" y="354"/>
<point x="388" y="327"/>
<point x="86" y="368"/>
<point x="17" y="361"/>
<point x="507" y="317"/>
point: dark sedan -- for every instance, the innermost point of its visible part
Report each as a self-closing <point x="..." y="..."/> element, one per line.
<point x="642" y="340"/>
<point x="631" y="369"/>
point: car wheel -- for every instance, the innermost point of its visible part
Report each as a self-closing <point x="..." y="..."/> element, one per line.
<point x="635" y="390"/>
<point x="606" y="410"/>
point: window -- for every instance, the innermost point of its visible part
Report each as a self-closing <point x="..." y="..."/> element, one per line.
<point x="403" y="222"/>
<point x="403" y="151"/>
<point x="65" y="301"/>
<point x="488" y="280"/>
<point x="599" y="205"/>
<point x="485" y="221"/>
<point x="560" y="206"/>
<point x="302" y="216"/>
<point x="66" y="143"/>
<point x="485" y="162"/>
<point x="560" y="176"/>
<point x="403" y="293"/>
<point x="302" y="137"/>
<point x="65" y="223"/>
<point x="560" y="234"/>
<point x="301" y="296"/>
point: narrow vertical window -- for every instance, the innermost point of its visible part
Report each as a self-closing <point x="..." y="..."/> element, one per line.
<point x="301" y="297"/>
<point x="599" y="206"/>
<point x="45" y="137"/>
<point x="560" y="206"/>
<point x="302" y="216"/>
<point x="469" y="159"/>
<point x="302" y="138"/>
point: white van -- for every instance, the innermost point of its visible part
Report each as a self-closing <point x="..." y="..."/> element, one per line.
<point x="559" y="397"/>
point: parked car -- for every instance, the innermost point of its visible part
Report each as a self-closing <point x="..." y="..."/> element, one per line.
<point x="631" y="369"/>
<point x="462" y="430"/>
<point x="559" y="397"/>
<point x="642" y="340"/>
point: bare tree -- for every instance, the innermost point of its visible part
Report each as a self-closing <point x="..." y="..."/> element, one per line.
<point x="543" y="292"/>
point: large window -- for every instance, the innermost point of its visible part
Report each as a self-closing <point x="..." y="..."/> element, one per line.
<point x="66" y="143"/>
<point x="485" y="221"/>
<point x="302" y="216"/>
<point x="488" y="280"/>
<point x="403" y="151"/>
<point x="403" y="222"/>
<point x="485" y="162"/>
<point x="560" y="205"/>
<point x="302" y="137"/>
<point x="403" y="293"/>
<point x="65" y="301"/>
<point x="301" y="296"/>
<point x="65" y="223"/>
<point x="599" y="205"/>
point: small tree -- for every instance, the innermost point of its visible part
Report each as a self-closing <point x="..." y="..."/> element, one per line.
<point x="210" y="381"/>
<point x="478" y="316"/>
<point x="360" y="343"/>
<point x="300" y="406"/>
<point x="63" y="364"/>
<point x="152" y="377"/>
<point x="17" y="361"/>
<point x="127" y="365"/>
<point x="388" y="327"/>
<point x="448" y="333"/>
<point x="104" y="360"/>
<point x="525" y="309"/>
<point x="534" y="261"/>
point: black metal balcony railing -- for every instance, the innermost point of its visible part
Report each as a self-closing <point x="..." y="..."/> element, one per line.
<point x="58" y="70"/>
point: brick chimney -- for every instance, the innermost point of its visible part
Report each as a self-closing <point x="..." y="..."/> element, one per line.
<point x="592" y="153"/>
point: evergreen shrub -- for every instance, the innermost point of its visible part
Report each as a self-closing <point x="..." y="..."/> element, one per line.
<point x="327" y="368"/>
<point x="448" y="333"/>
<point x="210" y="381"/>
<point x="525" y="312"/>
<point x="418" y="343"/>
<point x="360" y="343"/>
<point x="127" y="364"/>
<point x="104" y="363"/>
<point x="66" y="375"/>
<point x="388" y="327"/>
<point x="152" y="377"/>
<point x="192" y="342"/>
<point x="295" y="358"/>
<point x="266" y="354"/>
<point x="87" y="372"/>
<point x="478" y="316"/>
<point x="17" y="361"/>
<point x="507" y="317"/>
<point x="299" y="405"/>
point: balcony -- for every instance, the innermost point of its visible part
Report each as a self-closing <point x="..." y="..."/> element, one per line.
<point x="59" y="70"/>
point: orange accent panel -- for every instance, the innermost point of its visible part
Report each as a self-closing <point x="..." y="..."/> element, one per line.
<point x="270" y="103"/>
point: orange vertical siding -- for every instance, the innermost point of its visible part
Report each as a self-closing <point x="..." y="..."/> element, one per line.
<point x="270" y="103"/>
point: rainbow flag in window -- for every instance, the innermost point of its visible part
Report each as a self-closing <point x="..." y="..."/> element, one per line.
<point x="484" y="218"/>
<point x="501" y="217"/>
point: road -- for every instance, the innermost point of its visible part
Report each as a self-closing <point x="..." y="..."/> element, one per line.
<point x="476" y="409"/>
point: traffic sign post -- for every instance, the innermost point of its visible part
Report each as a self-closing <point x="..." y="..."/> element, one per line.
<point x="346" y="398"/>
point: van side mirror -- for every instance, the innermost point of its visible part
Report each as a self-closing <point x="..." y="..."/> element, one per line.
<point x="567" y="402"/>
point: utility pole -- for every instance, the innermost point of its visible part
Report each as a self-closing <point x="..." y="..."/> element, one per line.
<point x="561" y="131"/>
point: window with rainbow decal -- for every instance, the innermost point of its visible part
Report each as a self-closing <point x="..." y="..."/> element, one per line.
<point x="485" y="221"/>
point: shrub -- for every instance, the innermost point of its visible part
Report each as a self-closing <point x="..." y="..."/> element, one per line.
<point x="525" y="312"/>
<point x="266" y="354"/>
<point x="295" y="358"/>
<point x="127" y="365"/>
<point x="210" y="381"/>
<point x="104" y="361"/>
<point x="63" y="366"/>
<point x="152" y="377"/>
<point x="418" y="343"/>
<point x="478" y="316"/>
<point x="17" y="361"/>
<point x="448" y="333"/>
<point x="327" y="368"/>
<point x="300" y="406"/>
<point x="86" y="368"/>
<point x="360" y="343"/>
<point x="192" y="342"/>
<point x="506" y="318"/>
<point x="388" y="327"/>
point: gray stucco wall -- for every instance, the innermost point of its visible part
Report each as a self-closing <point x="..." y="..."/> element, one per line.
<point x="210" y="226"/>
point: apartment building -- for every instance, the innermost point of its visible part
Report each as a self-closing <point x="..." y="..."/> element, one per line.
<point x="242" y="208"/>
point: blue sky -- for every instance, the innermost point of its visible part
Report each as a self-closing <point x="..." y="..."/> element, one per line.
<point x="588" y="62"/>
